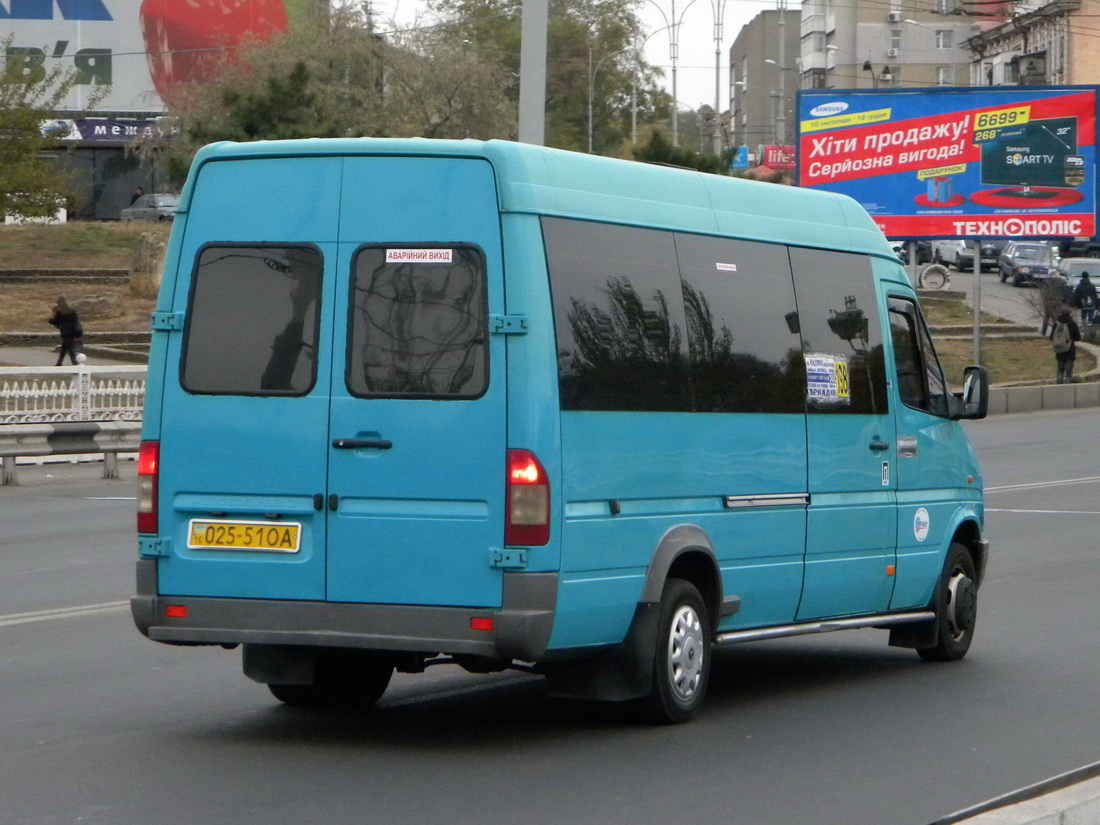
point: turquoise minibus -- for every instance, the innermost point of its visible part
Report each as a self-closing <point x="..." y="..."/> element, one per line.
<point x="415" y="401"/>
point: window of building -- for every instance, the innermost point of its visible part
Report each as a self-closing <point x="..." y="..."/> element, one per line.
<point x="945" y="76"/>
<point x="895" y="38"/>
<point x="945" y="39"/>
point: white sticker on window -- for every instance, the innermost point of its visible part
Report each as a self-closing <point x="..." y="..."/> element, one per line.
<point x="418" y="256"/>
<point x="726" y="267"/>
<point x="827" y="378"/>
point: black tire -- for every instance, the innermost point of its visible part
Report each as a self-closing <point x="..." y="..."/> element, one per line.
<point x="350" y="680"/>
<point x="681" y="660"/>
<point x="1004" y="276"/>
<point x="956" y="605"/>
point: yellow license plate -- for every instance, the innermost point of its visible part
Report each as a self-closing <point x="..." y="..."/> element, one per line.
<point x="266" y="536"/>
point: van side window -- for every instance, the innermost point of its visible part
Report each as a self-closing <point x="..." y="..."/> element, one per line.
<point x="838" y="313"/>
<point x="618" y="316"/>
<point x="252" y="321"/>
<point x="920" y="377"/>
<point x="744" y="351"/>
<point x="419" y="322"/>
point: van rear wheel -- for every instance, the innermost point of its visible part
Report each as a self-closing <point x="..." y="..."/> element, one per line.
<point x="681" y="660"/>
<point x="956" y="605"/>
<point x="340" y="681"/>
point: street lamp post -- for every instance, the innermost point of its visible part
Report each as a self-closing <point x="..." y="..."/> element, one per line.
<point x="781" y="115"/>
<point x="673" y="25"/>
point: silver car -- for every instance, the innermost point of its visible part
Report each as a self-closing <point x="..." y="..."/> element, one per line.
<point x="152" y="208"/>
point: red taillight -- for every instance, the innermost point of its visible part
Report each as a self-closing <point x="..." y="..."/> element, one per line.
<point x="148" y="469"/>
<point x="527" y="499"/>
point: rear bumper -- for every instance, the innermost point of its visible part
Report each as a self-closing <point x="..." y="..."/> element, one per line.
<point x="521" y="627"/>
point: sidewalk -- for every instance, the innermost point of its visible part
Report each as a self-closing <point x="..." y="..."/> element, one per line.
<point x="47" y="357"/>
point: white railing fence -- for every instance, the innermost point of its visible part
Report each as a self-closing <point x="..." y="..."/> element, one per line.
<point x="36" y="395"/>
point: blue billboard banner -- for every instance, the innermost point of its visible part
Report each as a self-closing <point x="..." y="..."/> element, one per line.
<point x="1013" y="161"/>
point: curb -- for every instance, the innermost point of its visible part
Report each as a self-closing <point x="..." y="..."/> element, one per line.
<point x="1072" y="798"/>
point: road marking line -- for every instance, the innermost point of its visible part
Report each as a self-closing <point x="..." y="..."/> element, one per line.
<point x="111" y="498"/>
<point x="61" y="613"/>
<point x="1052" y="512"/>
<point x="1037" y="484"/>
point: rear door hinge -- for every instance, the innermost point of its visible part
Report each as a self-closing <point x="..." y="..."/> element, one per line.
<point x="508" y="558"/>
<point x="508" y="324"/>
<point x="154" y="546"/>
<point x="166" y="321"/>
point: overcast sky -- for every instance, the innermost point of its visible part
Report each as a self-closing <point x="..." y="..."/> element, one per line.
<point x="695" y="66"/>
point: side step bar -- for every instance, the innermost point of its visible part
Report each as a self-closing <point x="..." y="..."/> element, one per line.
<point x="825" y="626"/>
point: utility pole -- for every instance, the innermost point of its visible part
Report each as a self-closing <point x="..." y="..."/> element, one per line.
<point x="532" y="73"/>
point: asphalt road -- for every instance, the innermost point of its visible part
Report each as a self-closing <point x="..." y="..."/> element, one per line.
<point x="101" y="726"/>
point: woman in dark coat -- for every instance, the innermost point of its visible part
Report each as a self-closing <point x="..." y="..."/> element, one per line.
<point x="68" y="324"/>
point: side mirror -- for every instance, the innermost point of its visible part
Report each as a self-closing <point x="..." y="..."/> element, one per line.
<point x="974" y="398"/>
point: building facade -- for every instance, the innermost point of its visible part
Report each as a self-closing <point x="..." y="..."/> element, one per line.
<point x="764" y="79"/>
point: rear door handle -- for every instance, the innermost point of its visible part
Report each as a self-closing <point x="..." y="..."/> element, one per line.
<point x="361" y="444"/>
<point x="879" y="446"/>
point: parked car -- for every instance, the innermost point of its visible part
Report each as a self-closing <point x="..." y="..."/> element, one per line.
<point x="152" y="208"/>
<point x="1027" y="262"/>
<point x="924" y="251"/>
<point x="960" y="254"/>
<point x="948" y="253"/>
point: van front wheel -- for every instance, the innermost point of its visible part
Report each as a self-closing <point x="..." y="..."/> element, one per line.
<point x="349" y="681"/>
<point x="681" y="661"/>
<point x="956" y="605"/>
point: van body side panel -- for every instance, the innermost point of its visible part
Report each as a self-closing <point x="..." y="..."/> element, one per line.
<point x="533" y="411"/>
<point x="415" y="367"/>
<point x="234" y="451"/>
<point x="851" y="531"/>
<point x="939" y="483"/>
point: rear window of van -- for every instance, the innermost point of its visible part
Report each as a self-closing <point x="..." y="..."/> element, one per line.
<point x="252" y="321"/>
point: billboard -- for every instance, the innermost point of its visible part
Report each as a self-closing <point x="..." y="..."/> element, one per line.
<point x="1013" y="161"/>
<point x="142" y="49"/>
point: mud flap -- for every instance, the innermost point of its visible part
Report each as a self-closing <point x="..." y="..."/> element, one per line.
<point x="625" y="672"/>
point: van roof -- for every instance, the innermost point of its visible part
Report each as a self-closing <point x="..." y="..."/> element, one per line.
<point x="544" y="181"/>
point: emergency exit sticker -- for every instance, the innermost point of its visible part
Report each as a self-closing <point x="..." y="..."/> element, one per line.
<point x="418" y="256"/>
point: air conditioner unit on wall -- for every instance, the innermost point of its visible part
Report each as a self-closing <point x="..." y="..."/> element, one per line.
<point x="894" y="17"/>
<point x="891" y="52"/>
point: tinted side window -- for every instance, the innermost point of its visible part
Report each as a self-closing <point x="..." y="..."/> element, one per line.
<point x="252" y="321"/>
<point x="419" y="323"/>
<point x="743" y="345"/>
<point x="841" y="337"/>
<point x="618" y="317"/>
<point x="920" y="377"/>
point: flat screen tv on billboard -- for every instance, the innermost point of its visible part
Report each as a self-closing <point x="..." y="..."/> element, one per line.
<point x="957" y="163"/>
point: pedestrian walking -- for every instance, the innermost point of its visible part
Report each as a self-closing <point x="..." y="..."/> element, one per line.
<point x="1064" y="340"/>
<point x="1084" y="297"/>
<point x="72" y="332"/>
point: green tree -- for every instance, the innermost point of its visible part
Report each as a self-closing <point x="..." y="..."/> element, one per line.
<point x="339" y="77"/>
<point x="590" y="46"/>
<point x="30" y="95"/>
<point x="659" y="149"/>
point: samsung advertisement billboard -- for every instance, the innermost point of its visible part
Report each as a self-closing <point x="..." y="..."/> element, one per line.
<point x="1016" y="161"/>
